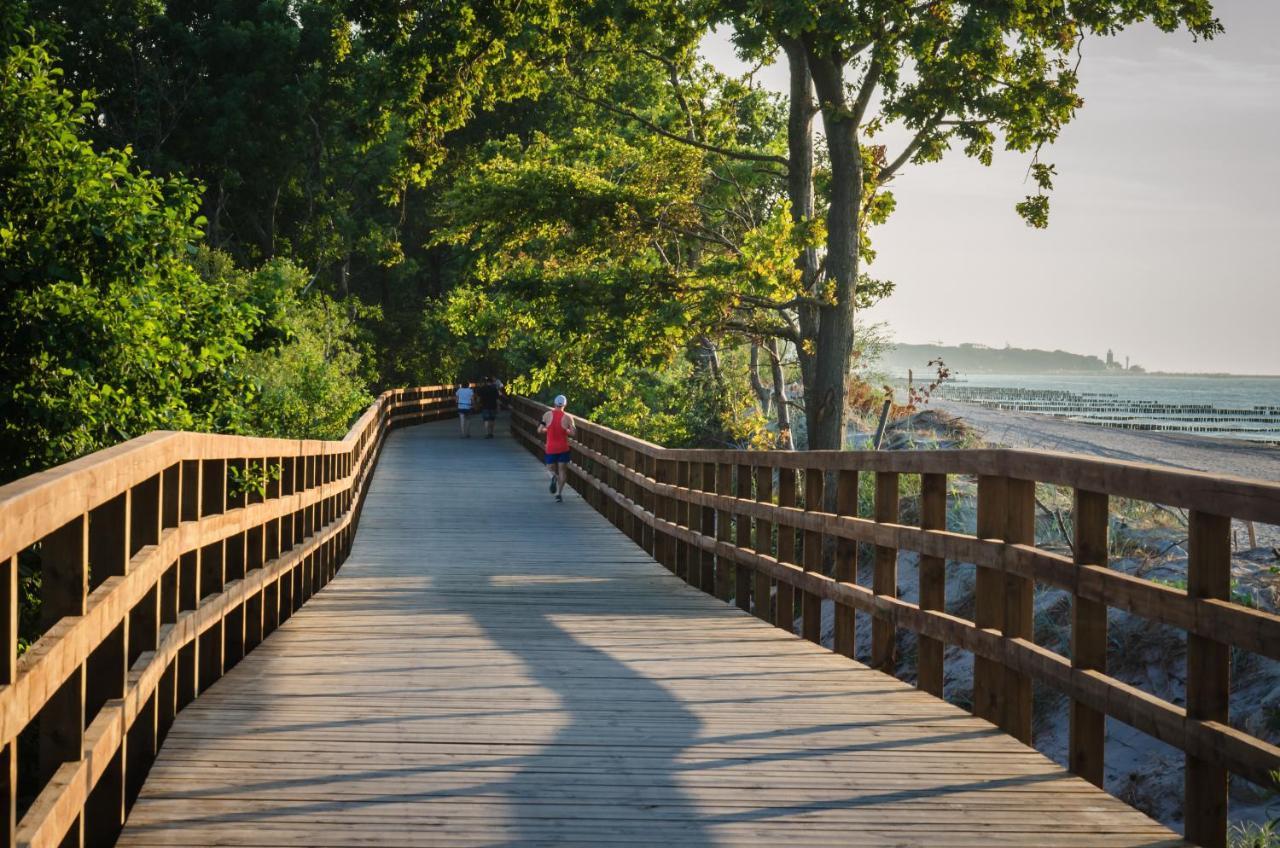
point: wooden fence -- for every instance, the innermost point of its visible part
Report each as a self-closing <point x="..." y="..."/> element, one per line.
<point x="162" y="561"/>
<point x="750" y="526"/>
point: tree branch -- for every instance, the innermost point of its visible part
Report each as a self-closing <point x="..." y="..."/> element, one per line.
<point x="744" y="155"/>
<point x="887" y="172"/>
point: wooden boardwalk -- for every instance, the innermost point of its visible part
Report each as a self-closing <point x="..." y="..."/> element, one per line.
<point x="493" y="668"/>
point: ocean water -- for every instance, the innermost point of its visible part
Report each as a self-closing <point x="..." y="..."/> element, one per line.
<point x="1232" y="407"/>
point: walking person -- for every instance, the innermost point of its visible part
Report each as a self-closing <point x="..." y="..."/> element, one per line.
<point x="488" y="395"/>
<point x="466" y="402"/>
<point x="558" y="427"/>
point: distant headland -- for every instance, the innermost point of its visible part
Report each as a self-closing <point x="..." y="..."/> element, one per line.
<point x="978" y="359"/>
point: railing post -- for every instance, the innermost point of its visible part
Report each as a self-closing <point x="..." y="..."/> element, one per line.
<point x="146" y="519"/>
<point x="64" y="591"/>
<point x="724" y="565"/>
<point x="933" y="582"/>
<point x="685" y="567"/>
<point x="188" y="675"/>
<point x="785" y="615"/>
<point x="8" y="673"/>
<point x="1208" y="679"/>
<point x="884" y="579"/>
<point x="108" y="667"/>
<point x="846" y="562"/>
<point x="764" y="544"/>
<point x="708" y="579"/>
<point x="213" y="501"/>
<point x="694" y="564"/>
<point x="742" y="529"/>
<point x="663" y="544"/>
<point x="811" y="604"/>
<point x="988" y="674"/>
<point x="170" y="605"/>
<point x="1089" y="638"/>
<point x="1019" y="600"/>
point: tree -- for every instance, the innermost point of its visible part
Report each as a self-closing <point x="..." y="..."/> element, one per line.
<point x="109" y="331"/>
<point x="948" y="72"/>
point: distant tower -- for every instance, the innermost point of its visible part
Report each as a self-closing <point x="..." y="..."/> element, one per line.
<point x="1111" y="359"/>
<point x="1126" y="363"/>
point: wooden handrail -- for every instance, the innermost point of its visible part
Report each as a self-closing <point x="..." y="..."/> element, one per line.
<point x="159" y="572"/>
<point x="716" y="518"/>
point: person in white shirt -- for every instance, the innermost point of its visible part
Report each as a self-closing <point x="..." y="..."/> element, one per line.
<point x="466" y="403"/>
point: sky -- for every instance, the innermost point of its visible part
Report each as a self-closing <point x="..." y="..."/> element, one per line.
<point x="1164" y="234"/>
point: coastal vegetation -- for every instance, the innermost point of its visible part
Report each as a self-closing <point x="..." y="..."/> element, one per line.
<point x="246" y="217"/>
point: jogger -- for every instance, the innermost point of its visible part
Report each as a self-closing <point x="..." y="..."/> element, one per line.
<point x="558" y="427"/>
<point x="466" y="400"/>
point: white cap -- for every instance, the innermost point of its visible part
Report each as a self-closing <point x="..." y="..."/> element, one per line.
<point x="560" y="400"/>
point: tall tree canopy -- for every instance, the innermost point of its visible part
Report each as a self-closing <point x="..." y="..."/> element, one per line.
<point x="563" y="192"/>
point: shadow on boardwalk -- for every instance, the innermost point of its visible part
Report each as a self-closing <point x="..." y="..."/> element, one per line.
<point x="492" y="668"/>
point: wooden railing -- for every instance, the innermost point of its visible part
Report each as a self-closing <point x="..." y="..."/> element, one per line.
<point x="162" y="560"/>
<point x="749" y="526"/>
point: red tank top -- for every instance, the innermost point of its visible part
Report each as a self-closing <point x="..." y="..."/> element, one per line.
<point x="557" y="438"/>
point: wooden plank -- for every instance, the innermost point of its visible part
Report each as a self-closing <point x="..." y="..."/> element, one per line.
<point x="846" y="563"/>
<point x="1208" y="679"/>
<point x="1088" y="734"/>
<point x="764" y="543"/>
<point x="742" y="538"/>
<point x="884" y="580"/>
<point x="1020" y="529"/>
<point x="709" y="577"/>
<point x="988" y="675"/>
<point x="933" y="582"/>
<point x="725" y="581"/>
<point x="8" y="672"/>
<point x="811" y="604"/>
<point x="784" y="600"/>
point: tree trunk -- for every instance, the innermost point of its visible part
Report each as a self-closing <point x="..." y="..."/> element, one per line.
<point x="802" y="108"/>
<point x="780" y="396"/>
<point x="825" y="405"/>
<point x="763" y="395"/>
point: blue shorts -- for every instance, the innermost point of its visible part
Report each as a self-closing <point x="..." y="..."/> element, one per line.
<point x="553" y="458"/>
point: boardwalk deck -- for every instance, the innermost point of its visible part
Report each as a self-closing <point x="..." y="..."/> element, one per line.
<point x="493" y="668"/>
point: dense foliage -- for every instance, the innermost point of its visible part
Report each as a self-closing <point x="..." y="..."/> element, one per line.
<point x="249" y="215"/>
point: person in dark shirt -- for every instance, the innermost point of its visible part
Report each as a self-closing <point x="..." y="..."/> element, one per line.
<point x="488" y="397"/>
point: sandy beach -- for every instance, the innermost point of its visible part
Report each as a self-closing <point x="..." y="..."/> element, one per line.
<point x="1193" y="453"/>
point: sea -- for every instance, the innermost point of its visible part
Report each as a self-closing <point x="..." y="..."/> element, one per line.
<point x="1208" y="405"/>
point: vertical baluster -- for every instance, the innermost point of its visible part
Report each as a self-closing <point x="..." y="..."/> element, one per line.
<point x="1089" y="637"/>
<point x="933" y="582"/>
<point x="708" y="580"/>
<point x="846" y="561"/>
<point x="724" y="564"/>
<point x="663" y="544"/>
<point x="189" y="579"/>
<point x="988" y="612"/>
<point x="213" y="501"/>
<point x="694" y="565"/>
<point x="64" y="591"/>
<point x="811" y="604"/>
<point x="764" y="544"/>
<point x="884" y="579"/>
<point x="171" y="517"/>
<point x="108" y="666"/>
<point x="742" y="529"/>
<point x="683" y="512"/>
<point x="1208" y="679"/>
<point x="1019" y="600"/>
<point x="144" y="632"/>
<point x="8" y="673"/>
<point x="785" y="612"/>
